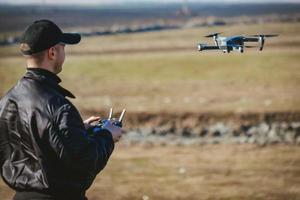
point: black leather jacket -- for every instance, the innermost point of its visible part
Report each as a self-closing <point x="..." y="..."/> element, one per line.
<point x="43" y="142"/>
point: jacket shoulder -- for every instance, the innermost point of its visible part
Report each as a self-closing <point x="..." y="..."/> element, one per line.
<point x="33" y="95"/>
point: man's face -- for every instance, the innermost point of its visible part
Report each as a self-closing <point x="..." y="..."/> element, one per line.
<point x="60" y="58"/>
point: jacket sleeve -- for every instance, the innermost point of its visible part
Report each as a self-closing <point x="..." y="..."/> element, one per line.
<point x="77" y="150"/>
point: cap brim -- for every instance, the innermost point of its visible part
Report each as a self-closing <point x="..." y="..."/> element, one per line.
<point x="70" y="38"/>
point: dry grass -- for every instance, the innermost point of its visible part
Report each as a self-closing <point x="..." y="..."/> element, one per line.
<point x="212" y="172"/>
<point x="162" y="71"/>
<point x="178" y="81"/>
<point x="229" y="172"/>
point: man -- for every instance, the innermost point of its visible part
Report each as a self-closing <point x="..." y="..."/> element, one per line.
<point x="46" y="151"/>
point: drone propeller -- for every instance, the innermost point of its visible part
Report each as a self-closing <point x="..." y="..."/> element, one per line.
<point x="251" y="46"/>
<point x="212" y="35"/>
<point x="267" y="35"/>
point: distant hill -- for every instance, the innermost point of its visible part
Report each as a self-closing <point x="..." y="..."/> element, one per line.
<point x="16" y="18"/>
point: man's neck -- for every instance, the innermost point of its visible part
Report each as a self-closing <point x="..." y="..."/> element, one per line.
<point x="41" y="66"/>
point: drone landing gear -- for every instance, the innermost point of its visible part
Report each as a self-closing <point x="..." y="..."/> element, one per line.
<point x="241" y="49"/>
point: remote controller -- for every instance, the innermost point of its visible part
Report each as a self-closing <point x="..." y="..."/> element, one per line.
<point x="99" y="126"/>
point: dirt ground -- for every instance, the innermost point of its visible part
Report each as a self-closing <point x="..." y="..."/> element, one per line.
<point x="197" y="172"/>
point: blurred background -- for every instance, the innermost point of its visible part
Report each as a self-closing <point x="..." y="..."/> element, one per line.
<point x="199" y="125"/>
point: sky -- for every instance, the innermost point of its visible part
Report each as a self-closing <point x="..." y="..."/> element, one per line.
<point x="89" y="2"/>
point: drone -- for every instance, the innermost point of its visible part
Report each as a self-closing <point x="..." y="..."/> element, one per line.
<point x="227" y="44"/>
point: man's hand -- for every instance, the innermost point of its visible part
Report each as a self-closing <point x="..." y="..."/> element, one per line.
<point x="116" y="131"/>
<point x="88" y="122"/>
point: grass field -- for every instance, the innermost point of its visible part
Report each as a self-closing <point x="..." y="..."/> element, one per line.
<point x="162" y="71"/>
<point x="209" y="172"/>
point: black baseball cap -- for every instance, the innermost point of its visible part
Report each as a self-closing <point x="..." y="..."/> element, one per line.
<point x="42" y="35"/>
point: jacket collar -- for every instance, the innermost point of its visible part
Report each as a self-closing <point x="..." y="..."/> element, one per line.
<point x="48" y="78"/>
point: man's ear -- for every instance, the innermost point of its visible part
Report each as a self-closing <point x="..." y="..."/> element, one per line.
<point x="51" y="53"/>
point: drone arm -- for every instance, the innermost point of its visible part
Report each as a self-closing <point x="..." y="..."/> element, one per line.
<point x="202" y="47"/>
<point x="251" y="39"/>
